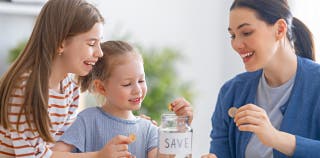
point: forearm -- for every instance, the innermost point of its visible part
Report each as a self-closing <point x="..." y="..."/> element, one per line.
<point x="58" y="154"/>
<point x="285" y="143"/>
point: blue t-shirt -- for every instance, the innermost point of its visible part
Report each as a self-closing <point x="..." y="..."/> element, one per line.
<point x="93" y="128"/>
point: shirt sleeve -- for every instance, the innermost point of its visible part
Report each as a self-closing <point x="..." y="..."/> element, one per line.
<point x="75" y="135"/>
<point x="23" y="141"/>
<point x="219" y="133"/>
<point x="306" y="148"/>
<point x="153" y="138"/>
<point x="72" y="112"/>
<point x="20" y="144"/>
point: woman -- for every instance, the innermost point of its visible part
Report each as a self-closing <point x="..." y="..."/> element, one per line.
<point x="277" y="100"/>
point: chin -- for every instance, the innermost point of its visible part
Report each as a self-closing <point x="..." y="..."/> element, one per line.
<point x="251" y="69"/>
<point x="83" y="73"/>
<point x="136" y="107"/>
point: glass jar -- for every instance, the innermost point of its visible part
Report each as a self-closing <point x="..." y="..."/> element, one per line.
<point x="175" y="137"/>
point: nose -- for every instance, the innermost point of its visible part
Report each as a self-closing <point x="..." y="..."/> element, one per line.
<point x="137" y="90"/>
<point x="237" y="44"/>
<point x="98" y="53"/>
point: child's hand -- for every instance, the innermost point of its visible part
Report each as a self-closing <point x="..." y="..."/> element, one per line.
<point x="181" y="107"/>
<point x="117" y="147"/>
<point x="149" y="118"/>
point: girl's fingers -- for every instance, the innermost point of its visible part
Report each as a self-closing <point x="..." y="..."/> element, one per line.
<point x="179" y="103"/>
<point x="185" y="111"/>
<point x="121" y="147"/>
<point x="120" y="139"/>
<point x="124" y="154"/>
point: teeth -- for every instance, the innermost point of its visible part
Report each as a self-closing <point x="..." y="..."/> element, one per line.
<point x="136" y="99"/>
<point x="246" y="55"/>
<point x="90" y="63"/>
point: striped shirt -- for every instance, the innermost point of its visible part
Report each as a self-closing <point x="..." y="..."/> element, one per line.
<point x="26" y="141"/>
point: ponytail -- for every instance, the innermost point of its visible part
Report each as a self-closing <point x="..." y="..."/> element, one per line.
<point x="303" y="40"/>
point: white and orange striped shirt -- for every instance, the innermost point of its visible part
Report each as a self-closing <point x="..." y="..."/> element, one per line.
<point x="25" y="143"/>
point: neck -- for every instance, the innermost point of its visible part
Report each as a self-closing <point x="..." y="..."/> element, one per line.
<point x="282" y="67"/>
<point x="57" y="75"/>
<point x="117" y="112"/>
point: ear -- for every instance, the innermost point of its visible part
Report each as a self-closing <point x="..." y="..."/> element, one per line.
<point x="61" y="47"/>
<point x="99" y="87"/>
<point x="281" y="29"/>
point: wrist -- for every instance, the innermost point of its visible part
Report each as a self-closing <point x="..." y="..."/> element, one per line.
<point x="284" y="142"/>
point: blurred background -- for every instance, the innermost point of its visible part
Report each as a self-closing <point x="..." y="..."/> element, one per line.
<point x="188" y="36"/>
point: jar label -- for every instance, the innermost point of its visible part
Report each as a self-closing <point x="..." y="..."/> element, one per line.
<point x="175" y="143"/>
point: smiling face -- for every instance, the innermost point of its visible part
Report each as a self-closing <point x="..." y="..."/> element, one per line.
<point x="126" y="86"/>
<point x="81" y="51"/>
<point x="252" y="38"/>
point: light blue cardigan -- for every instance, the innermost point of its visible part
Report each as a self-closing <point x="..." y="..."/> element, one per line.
<point x="301" y="113"/>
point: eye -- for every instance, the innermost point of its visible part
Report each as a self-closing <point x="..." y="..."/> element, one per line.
<point x="126" y="85"/>
<point x="141" y="81"/>
<point x="247" y="33"/>
<point x="92" y="43"/>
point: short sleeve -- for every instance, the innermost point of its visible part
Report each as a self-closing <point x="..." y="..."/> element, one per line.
<point x="152" y="138"/>
<point x="75" y="135"/>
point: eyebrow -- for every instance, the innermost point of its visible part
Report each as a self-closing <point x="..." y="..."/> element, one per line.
<point x="240" y="26"/>
<point x="94" y="39"/>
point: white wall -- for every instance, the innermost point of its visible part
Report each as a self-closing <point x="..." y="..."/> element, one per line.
<point x="308" y="12"/>
<point x="16" y="23"/>
<point x="199" y="30"/>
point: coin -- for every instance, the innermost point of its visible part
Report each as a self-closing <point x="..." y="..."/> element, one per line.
<point x="170" y="108"/>
<point x="232" y="111"/>
<point x="132" y="137"/>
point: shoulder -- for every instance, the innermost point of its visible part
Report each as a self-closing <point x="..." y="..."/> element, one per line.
<point x="70" y="83"/>
<point x="146" y="123"/>
<point x="91" y="111"/>
<point x="308" y="67"/>
<point x="243" y="80"/>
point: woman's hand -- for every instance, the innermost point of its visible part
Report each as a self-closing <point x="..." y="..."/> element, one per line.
<point x="254" y="119"/>
<point x="182" y="107"/>
<point x="209" y="156"/>
<point x="117" y="147"/>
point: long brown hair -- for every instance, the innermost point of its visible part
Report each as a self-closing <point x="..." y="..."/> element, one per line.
<point x="57" y="21"/>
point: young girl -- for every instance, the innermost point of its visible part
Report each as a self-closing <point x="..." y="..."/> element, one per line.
<point x="119" y="77"/>
<point x="38" y="94"/>
<point x="278" y="98"/>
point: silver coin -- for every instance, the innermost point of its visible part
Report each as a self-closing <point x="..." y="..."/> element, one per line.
<point x="232" y="111"/>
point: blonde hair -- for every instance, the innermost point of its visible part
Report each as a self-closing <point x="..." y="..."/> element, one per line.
<point x="112" y="52"/>
<point x="57" y="21"/>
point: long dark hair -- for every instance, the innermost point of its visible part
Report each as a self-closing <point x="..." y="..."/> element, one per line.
<point x="57" y="21"/>
<point x="272" y="10"/>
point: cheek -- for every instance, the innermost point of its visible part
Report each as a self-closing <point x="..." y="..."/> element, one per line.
<point x="145" y="89"/>
<point x="232" y="42"/>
